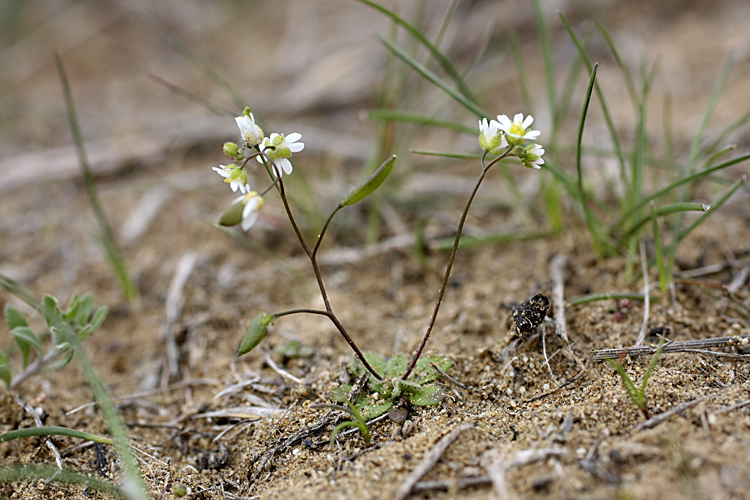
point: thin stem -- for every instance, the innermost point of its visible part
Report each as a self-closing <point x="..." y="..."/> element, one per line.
<point x="443" y="287"/>
<point x="313" y="261"/>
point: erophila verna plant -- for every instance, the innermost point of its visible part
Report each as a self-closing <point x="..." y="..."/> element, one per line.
<point x="399" y="377"/>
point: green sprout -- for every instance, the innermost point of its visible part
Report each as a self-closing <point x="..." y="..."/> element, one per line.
<point x="638" y="394"/>
<point x="358" y="422"/>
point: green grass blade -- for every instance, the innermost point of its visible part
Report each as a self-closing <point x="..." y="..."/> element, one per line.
<point x="35" y="473"/>
<point x="694" y="151"/>
<point x="444" y="244"/>
<point x="419" y="119"/>
<point x="549" y="69"/>
<point x="605" y="109"/>
<point x="724" y="133"/>
<point x="136" y="488"/>
<point x="54" y="431"/>
<point x="108" y="238"/>
<point x="662" y="211"/>
<point x="679" y="182"/>
<point x="627" y="382"/>
<point x="663" y="276"/>
<point x="629" y="82"/>
<point x="20" y="291"/>
<point x="595" y="297"/>
<point x="707" y="114"/>
<point x="182" y="48"/>
<point x="523" y="81"/>
<point x="446" y="154"/>
<point x="714" y="207"/>
<point x="651" y="366"/>
<point x="593" y="223"/>
<point x="444" y="62"/>
<point x="432" y="77"/>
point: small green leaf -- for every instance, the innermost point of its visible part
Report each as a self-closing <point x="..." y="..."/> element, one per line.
<point x="67" y="353"/>
<point x="52" y="313"/>
<point x="374" y="408"/>
<point x="14" y="318"/>
<point x="5" y="375"/>
<point x="375" y="360"/>
<point x="70" y="313"/>
<point x="98" y="318"/>
<point x="424" y="372"/>
<point x="396" y="366"/>
<point x="427" y="396"/>
<point x="85" y="308"/>
<point x="26" y="339"/>
<point x="371" y="184"/>
<point x="340" y="394"/>
<point x="255" y="333"/>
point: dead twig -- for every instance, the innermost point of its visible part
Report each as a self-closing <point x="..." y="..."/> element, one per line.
<point x="175" y="301"/>
<point x="654" y="421"/>
<point x="38" y="421"/>
<point x="557" y="270"/>
<point x="646" y="298"/>
<point x="684" y="346"/>
<point x="522" y="458"/>
<point x="281" y="371"/>
<point x="496" y="469"/>
<point x="429" y="461"/>
<point x="447" y="377"/>
<point x="580" y="374"/>
<point x="739" y="280"/>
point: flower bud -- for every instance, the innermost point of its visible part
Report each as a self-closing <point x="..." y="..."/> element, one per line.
<point x="232" y="150"/>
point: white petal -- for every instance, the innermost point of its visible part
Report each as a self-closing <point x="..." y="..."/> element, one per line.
<point x="531" y="135"/>
<point x="518" y="118"/>
<point x="529" y="119"/>
<point x="504" y="122"/>
<point x="285" y="164"/>
<point x="296" y="147"/>
<point x="293" y="137"/>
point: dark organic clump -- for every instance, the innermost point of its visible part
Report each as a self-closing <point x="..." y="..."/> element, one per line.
<point x="530" y="314"/>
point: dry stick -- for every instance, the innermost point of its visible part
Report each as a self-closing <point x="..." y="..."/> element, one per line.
<point x="684" y="346"/>
<point x="557" y="270"/>
<point x="738" y="280"/>
<point x="544" y="352"/>
<point x="281" y="371"/>
<point x="175" y="301"/>
<point x="496" y="469"/>
<point x="732" y="408"/>
<point x="38" y="422"/>
<point x="446" y="376"/>
<point x="644" y="325"/>
<point x="429" y="461"/>
<point x="654" y="421"/>
<point x="575" y="378"/>
<point x="524" y="457"/>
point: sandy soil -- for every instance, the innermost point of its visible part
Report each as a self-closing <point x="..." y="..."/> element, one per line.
<point x="533" y="418"/>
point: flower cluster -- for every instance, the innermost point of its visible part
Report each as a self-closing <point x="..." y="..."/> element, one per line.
<point x="497" y="136"/>
<point x="273" y="151"/>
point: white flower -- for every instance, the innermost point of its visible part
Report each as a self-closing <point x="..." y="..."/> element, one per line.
<point x="253" y="203"/>
<point x="531" y="155"/>
<point x="278" y="148"/>
<point x="233" y="175"/>
<point x="491" y="137"/>
<point x="251" y="133"/>
<point x="515" y="131"/>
